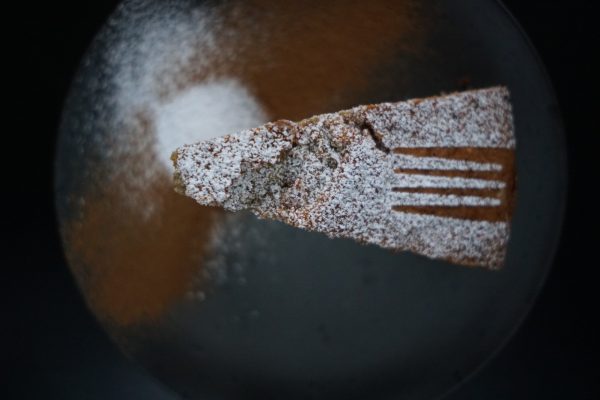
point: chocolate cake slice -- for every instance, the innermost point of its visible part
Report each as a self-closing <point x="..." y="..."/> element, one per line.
<point x="433" y="176"/>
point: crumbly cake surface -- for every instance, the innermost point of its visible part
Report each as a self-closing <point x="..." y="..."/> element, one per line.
<point x="433" y="176"/>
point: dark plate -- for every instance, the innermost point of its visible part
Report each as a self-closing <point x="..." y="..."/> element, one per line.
<point x="290" y="314"/>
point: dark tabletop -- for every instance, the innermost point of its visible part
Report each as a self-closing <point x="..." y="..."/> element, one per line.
<point x="54" y="349"/>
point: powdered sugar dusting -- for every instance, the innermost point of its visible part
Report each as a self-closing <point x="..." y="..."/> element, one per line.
<point x="150" y="54"/>
<point x="426" y="199"/>
<point x="473" y="118"/>
<point x="331" y="174"/>
<point x="412" y="162"/>
<point x="426" y="181"/>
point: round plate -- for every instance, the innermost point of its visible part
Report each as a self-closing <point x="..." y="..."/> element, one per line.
<point x="229" y="306"/>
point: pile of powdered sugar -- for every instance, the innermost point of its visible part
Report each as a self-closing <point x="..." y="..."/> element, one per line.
<point x="166" y="83"/>
<point x="211" y="109"/>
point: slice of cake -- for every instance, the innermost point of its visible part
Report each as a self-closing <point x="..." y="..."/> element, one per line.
<point x="433" y="176"/>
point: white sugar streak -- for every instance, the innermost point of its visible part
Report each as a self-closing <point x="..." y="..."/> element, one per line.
<point x="429" y="199"/>
<point x="438" y="163"/>
<point x="429" y="181"/>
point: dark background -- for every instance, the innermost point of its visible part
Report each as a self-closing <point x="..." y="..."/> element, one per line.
<point x="53" y="348"/>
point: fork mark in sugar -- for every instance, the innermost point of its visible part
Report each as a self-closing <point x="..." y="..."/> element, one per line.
<point x="462" y="182"/>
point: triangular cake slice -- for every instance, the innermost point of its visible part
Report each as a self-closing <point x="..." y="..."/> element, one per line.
<point x="433" y="176"/>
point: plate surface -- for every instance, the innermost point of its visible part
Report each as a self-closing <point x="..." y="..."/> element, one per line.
<point x="227" y="306"/>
